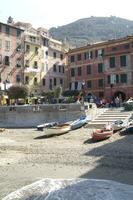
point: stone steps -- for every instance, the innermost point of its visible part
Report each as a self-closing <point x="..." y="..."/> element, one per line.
<point x="109" y="116"/>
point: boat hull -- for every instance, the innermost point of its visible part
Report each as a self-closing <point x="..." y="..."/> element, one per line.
<point x="100" y="134"/>
<point x="57" y="130"/>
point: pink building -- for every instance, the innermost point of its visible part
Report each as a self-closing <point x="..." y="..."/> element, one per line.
<point x="105" y="69"/>
<point x="11" y="55"/>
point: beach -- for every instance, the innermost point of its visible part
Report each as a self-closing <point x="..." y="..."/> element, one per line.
<point x="26" y="156"/>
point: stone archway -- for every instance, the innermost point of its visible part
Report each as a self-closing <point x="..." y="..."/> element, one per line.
<point x="120" y="95"/>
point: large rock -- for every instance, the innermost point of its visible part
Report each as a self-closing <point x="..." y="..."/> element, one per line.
<point x="73" y="189"/>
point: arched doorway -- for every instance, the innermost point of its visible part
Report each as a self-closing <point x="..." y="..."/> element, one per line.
<point x="120" y="95"/>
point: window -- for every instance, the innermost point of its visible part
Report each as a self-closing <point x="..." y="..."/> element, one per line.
<point x="59" y="68"/>
<point x="54" y="68"/>
<point x="18" y="47"/>
<point x="27" y="63"/>
<point x="112" y="62"/>
<point x="100" y="67"/>
<point x="0" y="78"/>
<point x="27" y="80"/>
<point x="54" y="54"/>
<point x="114" y="48"/>
<point x="27" y="48"/>
<point x="89" y="84"/>
<point x="18" y="78"/>
<point x="46" y="53"/>
<point x="7" y="30"/>
<point x="76" y="85"/>
<point x="43" y="82"/>
<point x="88" y="55"/>
<point x="79" y="71"/>
<point x="0" y="59"/>
<point x="35" y="81"/>
<point x="7" y="45"/>
<point x="88" y="69"/>
<point x="79" y="57"/>
<point x="123" y="78"/>
<point x="7" y="62"/>
<point x="100" y="83"/>
<point x="0" y="43"/>
<point x="50" y="84"/>
<point x="18" y="33"/>
<point x="61" y="56"/>
<point x="123" y="60"/>
<point x="72" y="59"/>
<point x="45" y="42"/>
<point x="55" y="82"/>
<point x="108" y="79"/>
<point x="72" y="72"/>
<point x="36" y="50"/>
<point x="61" y="81"/>
<point x="126" y="46"/>
<point x="117" y="78"/>
<point x="35" y="64"/>
<point x="99" y="52"/>
<point x="18" y="62"/>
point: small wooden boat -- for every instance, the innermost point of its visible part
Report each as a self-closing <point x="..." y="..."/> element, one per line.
<point x="79" y="122"/>
<point x="46" y="125"/>
<point x="58" y="129"/>
<point x="119" y="124"/>
<point x="101" y="134"/>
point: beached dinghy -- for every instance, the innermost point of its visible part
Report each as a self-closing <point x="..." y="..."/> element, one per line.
<point x="79" y="122"/>
<point x="101" y="134"/>
<point x="46" y="125"/>
<point x="119" y="124"/>
<point x="58" y="129"/>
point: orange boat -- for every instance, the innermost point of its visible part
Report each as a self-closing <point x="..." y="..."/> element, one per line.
<point x="101" y="134"/>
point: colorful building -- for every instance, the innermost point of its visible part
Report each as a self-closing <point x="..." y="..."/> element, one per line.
<point x="11" y="55"/>
<point x="104" y="69"/>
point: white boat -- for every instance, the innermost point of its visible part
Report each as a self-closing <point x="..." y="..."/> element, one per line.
<point x="119" y="124"/>
<point x="58" y="129"/>
<point x="46" y="125"/>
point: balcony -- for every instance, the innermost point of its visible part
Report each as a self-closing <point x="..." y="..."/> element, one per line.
<point x="32" y="39"/>
<point x="31" y="70"/>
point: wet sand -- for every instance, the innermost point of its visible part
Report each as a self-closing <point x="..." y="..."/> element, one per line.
<point x="26" y="156"/>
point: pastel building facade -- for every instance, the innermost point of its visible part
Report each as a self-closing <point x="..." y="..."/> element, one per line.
<point x="11" y="56"/>
<point x="105" y="69"/>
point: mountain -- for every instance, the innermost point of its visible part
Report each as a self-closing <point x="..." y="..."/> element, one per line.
<point x="91" y="30"/>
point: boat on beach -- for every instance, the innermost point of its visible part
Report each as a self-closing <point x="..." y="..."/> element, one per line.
<point x="57" y="129"/>
<point x="102" y="134"/>
<point x="46" y="125"/>
<point x="79" y="122"/>
<point x="120" y="124"/>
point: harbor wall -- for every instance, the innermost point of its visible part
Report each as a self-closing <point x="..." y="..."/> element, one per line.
<point x="31" y="115"/>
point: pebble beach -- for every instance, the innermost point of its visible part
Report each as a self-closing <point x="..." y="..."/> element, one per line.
<point x="27" y="155"/>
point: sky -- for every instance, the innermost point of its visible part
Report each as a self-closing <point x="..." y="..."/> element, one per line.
<point x="54" y="13"/>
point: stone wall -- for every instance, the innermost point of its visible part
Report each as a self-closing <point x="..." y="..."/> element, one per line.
<point x="32" y="115"/>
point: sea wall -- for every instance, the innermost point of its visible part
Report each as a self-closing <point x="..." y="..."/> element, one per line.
<point x="32" y="115"/>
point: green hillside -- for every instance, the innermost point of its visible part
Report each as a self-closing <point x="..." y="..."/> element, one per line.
<point x="93" y="29"/>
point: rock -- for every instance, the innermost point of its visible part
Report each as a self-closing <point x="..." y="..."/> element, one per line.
<point x="73" y="189"/>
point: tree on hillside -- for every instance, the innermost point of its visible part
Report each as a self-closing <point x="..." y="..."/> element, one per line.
<point x="16" y="92"/>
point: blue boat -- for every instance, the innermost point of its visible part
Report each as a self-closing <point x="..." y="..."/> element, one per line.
<point x="79" y="122"/>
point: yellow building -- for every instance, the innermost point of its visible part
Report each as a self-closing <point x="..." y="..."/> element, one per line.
<point x="32" y="61"/>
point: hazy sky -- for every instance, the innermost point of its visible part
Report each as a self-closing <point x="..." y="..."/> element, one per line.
<point x="49" y="13"/>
